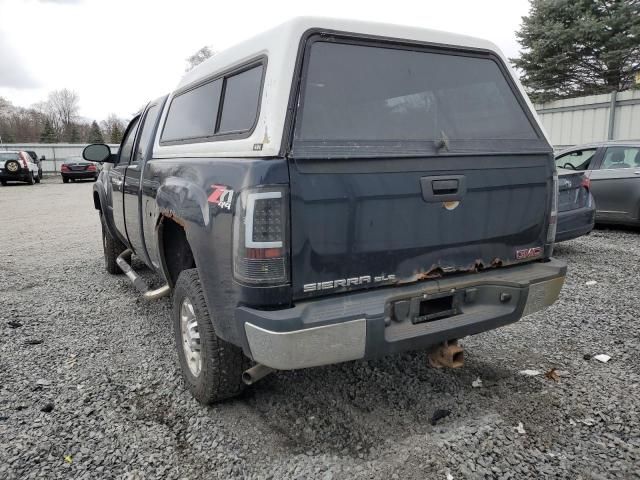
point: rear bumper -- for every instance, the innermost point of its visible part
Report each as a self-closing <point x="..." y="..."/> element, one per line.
<point x="80" y="175"/>
<point x="359" y="325"/>
<point x="575" y="223"/>
<point x="20" y="176"/>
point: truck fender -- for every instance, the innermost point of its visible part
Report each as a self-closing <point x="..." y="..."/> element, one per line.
<point x="183" y="201"/>
<point x="103" y="207"/>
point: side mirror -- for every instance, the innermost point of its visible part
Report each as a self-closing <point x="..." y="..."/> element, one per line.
<point x="97" y="152"/>
<point x="43" y="158"/>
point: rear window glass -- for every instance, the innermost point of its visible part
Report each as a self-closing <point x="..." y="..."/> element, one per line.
<point x="145" y="135"/>
<point x="193" y="114"/>
<point x="240" y="105"/>
<point x="621" y="157"/>
<point x="369" y="97"/>
<point x="8" y="156"/>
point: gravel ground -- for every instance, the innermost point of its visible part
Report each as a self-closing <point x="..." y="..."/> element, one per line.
<point x="90" y="386"/>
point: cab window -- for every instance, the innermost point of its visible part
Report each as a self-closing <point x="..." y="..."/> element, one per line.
<point x="576" y="160"/>
<point x="145" y="134"/>
<point x="127" y="142"/>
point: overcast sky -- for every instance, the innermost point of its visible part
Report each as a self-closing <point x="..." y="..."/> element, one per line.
<point x="117" y="54"/>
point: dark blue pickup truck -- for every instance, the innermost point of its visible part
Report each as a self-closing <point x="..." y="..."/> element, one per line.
<point x="330" y="191"/>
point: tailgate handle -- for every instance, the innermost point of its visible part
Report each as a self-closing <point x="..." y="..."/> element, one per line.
<point x="443" y="188"/>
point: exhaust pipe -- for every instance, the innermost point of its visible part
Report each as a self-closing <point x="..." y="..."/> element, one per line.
<point x="255" y="373"/>
<point x="123" y="262"/>
<point x="447" y="355"/>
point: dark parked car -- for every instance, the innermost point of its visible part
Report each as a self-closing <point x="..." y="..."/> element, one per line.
<point x="576" y="208"/>
<point x="78" y="169"/>
<point x="614" y="171"/>
<point x="392" y="191"/>
<point x="36" y="160"/>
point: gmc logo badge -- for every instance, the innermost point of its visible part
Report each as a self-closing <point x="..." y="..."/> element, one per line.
<point x="528" y="253"/>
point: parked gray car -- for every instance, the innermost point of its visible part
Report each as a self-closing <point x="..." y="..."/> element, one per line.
<point x="614" y="171"/>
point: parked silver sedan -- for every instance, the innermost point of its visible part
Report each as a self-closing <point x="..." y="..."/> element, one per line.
<point x="614" y="171"/>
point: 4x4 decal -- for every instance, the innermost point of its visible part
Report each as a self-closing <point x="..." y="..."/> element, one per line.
<point x="222" y="196"/>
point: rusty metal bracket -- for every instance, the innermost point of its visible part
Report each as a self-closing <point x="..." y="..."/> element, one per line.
<point x="447" y="355"/>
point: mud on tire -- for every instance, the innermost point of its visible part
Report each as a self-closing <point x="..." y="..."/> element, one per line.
<point x="112" y="248"/>
<point x="222" y="363"/>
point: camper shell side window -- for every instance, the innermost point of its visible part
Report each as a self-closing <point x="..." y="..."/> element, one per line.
<point x="223" y="107"/>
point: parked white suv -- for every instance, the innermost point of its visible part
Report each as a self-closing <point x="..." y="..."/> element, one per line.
<point x="18" y="166"/>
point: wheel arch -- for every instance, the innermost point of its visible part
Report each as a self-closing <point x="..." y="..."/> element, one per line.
<point x="172" y="238"/>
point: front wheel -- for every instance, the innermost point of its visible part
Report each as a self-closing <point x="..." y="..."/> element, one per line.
<point x="211" y="368"/>
<point x="112" y="249"/>
<point x="38" y="178"/>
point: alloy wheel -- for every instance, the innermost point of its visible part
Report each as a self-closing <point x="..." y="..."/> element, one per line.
<point x="190" y="337"/>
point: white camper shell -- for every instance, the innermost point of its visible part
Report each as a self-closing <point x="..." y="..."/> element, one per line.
<point x="276" y="51"/>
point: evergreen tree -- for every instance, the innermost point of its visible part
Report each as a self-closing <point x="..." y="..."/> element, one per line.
<point x="579" y="47"/>
<point x="48" y="134"/>
<point x="74" y="134"/>
<point x="95" y="134"/>
<point x="115" y="135"/>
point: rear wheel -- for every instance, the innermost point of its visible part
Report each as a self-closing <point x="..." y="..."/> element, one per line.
<point x="30" y="179"/>
<point x="112" y="249"/>
<point x="65" y="180"/>
<point x="38" y="179"/>
<point x="211" y="368"/>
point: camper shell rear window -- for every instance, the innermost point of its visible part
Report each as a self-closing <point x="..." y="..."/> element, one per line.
<point x="363" y="98"/>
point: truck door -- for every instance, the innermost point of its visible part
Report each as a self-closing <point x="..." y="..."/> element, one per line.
<point x="116" y="176"/>
<point x="132" y="177"/>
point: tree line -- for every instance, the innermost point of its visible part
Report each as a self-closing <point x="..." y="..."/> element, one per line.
<point x="56" y="120"/>
<point x="572" y="48"/>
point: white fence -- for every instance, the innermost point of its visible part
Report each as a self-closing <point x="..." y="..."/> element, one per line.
<point x="55" y="153"/>
<point x="593" y="118"/>
<point x="570" y="121"/>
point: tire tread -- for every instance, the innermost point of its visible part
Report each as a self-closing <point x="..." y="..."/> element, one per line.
<point x="223" y="363"/>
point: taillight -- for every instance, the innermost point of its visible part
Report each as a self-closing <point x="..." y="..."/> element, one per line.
<point x="91" y="168"/>
<point x="260" y="236"/>
<point x="553" y="215"/>
<point x="63" y="167"/>
<point x="586" y="182"/>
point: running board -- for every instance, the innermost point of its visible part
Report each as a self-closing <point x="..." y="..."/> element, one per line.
<point x="137" y="281"/>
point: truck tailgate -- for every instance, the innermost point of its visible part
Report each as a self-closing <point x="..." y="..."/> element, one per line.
<point x="369" y="218"/>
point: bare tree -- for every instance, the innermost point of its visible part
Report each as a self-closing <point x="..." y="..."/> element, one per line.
<point x="113" y="128"/>
<point x="199" y="57"/>
<point x="65" y="105"/>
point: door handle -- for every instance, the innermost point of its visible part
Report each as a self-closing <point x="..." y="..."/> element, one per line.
<point x="637" y="172"/>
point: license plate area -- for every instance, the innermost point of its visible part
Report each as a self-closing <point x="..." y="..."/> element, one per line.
<point x="434" y="308"/>
<point x="427" y="307"/>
